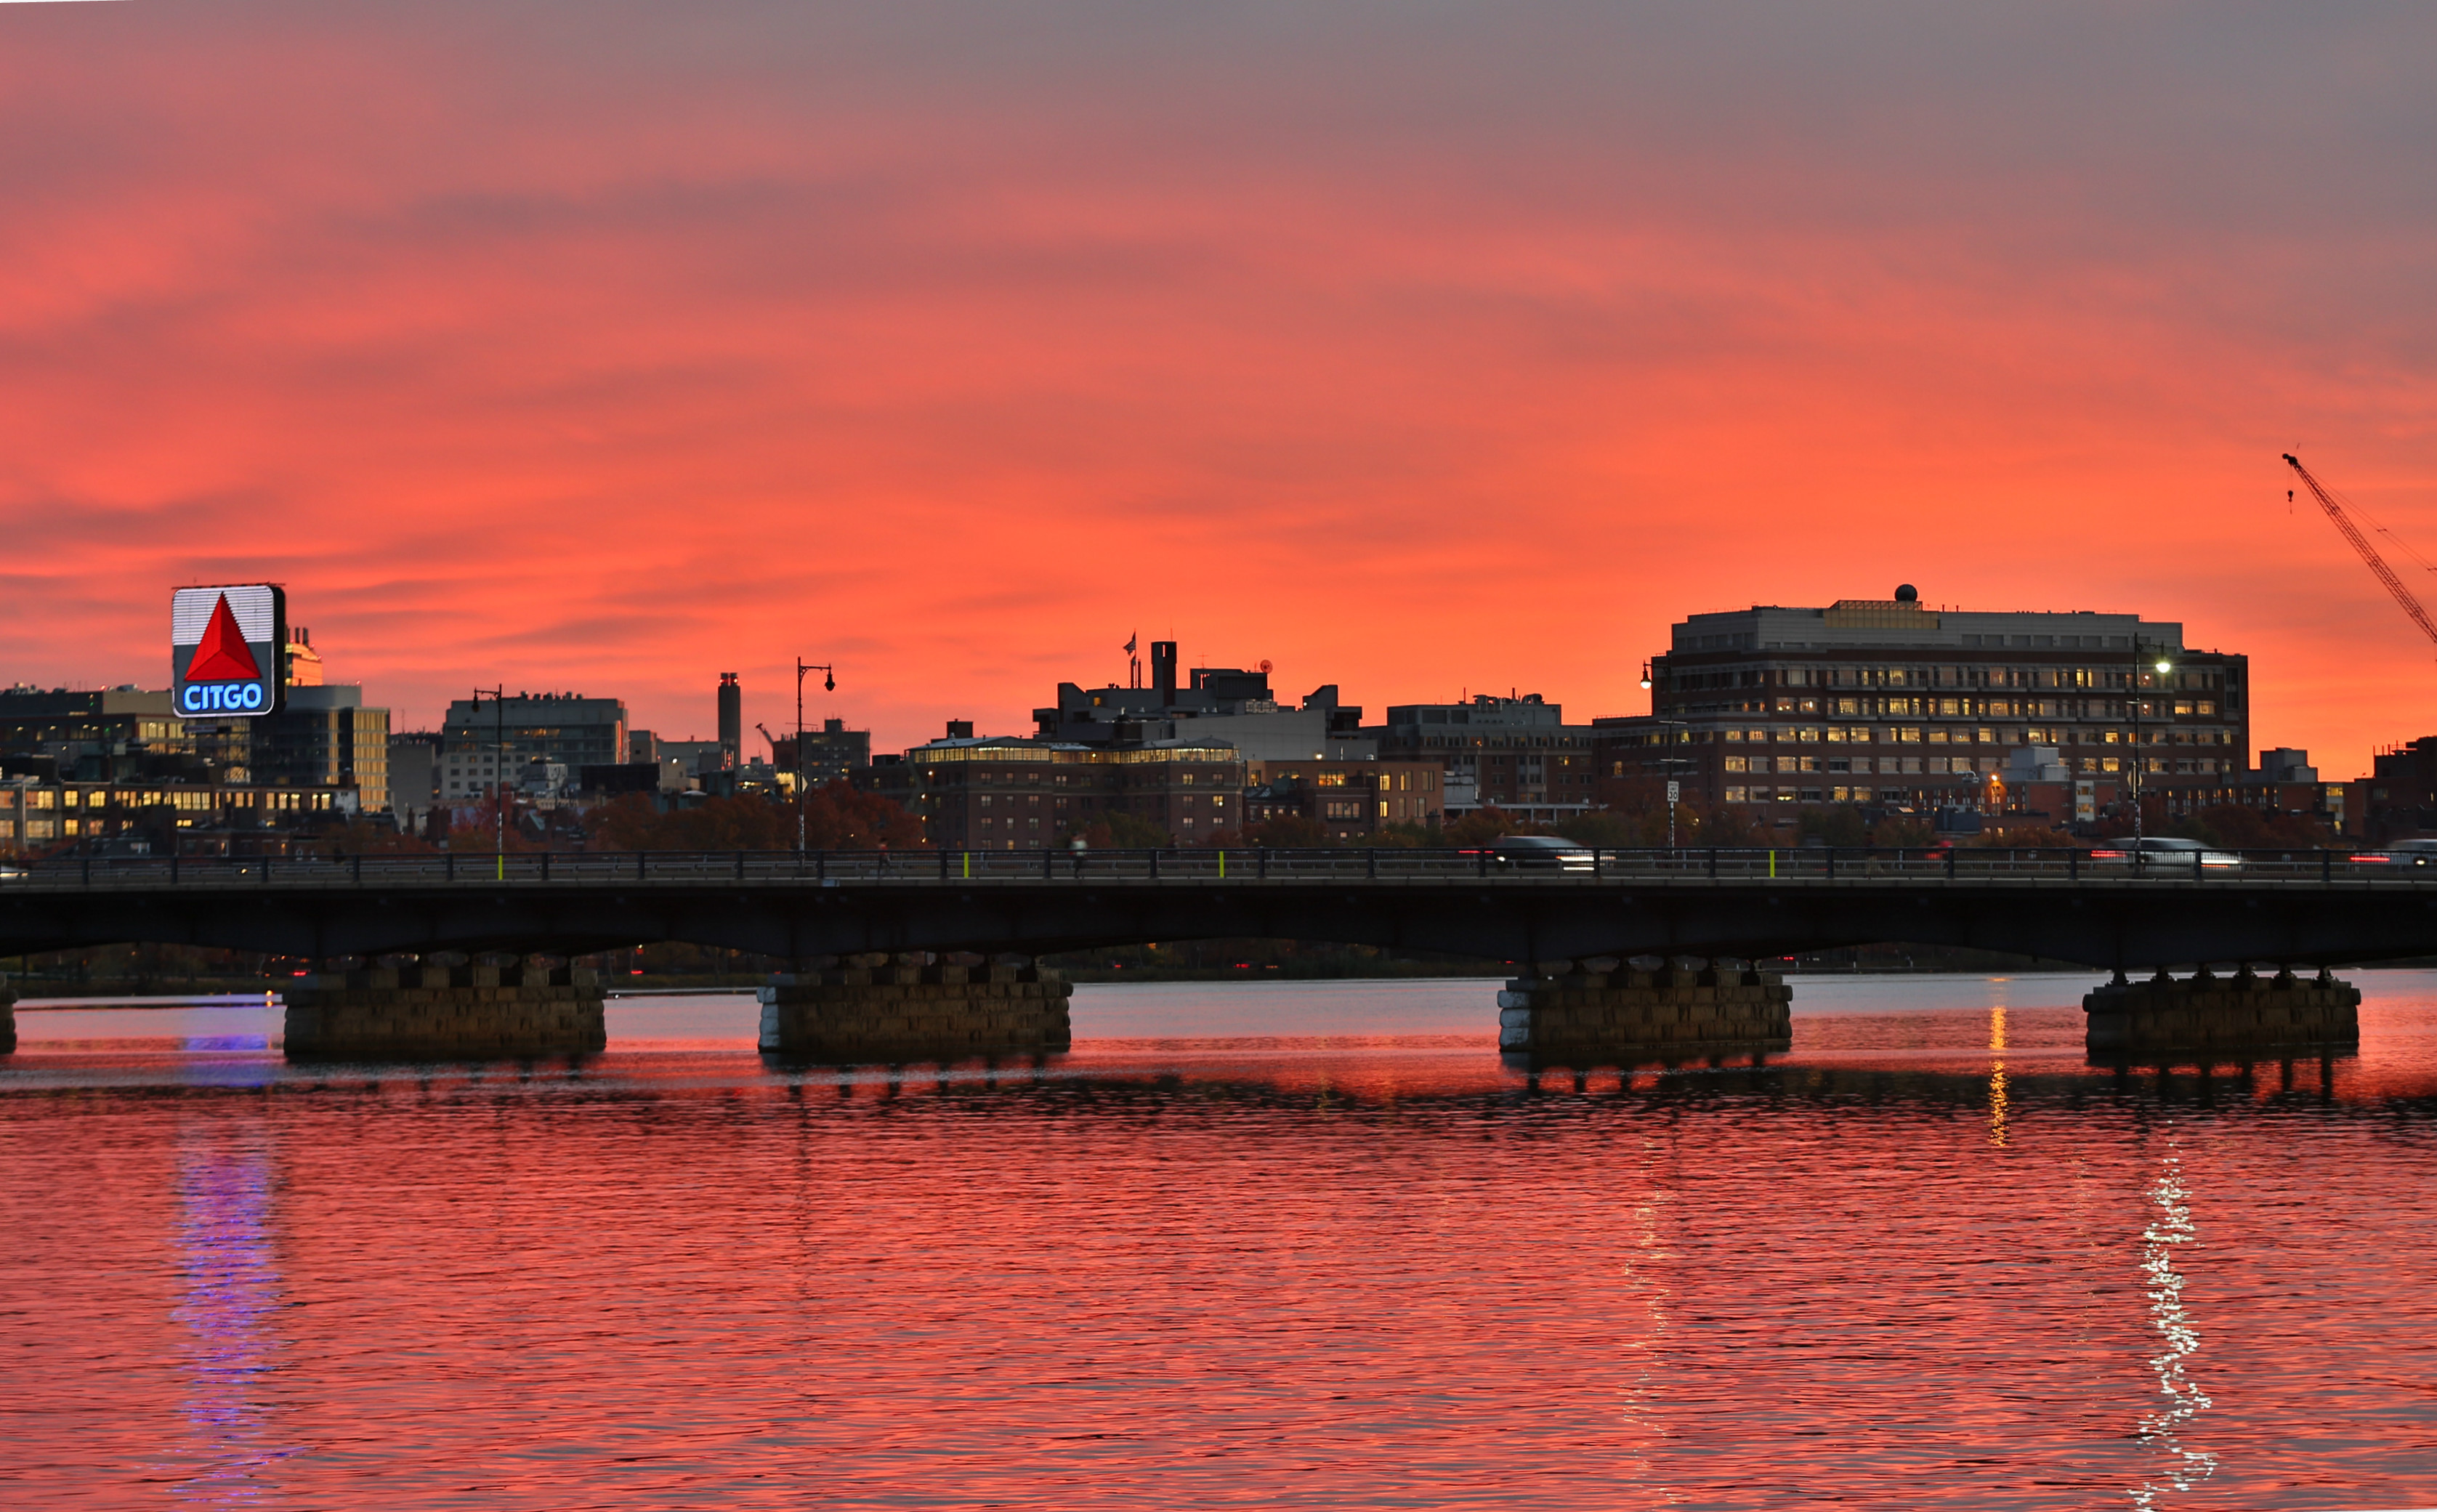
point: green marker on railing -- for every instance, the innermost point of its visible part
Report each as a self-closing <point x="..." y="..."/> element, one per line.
<point x="969" y="864"/>
<point x="1222" y="865"/>
<point x="1772" y="866"/>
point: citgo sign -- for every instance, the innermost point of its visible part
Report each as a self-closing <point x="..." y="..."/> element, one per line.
<point x="224" y="649"/>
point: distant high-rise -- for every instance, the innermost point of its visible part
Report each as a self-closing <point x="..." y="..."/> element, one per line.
<point x="732" y="721"/>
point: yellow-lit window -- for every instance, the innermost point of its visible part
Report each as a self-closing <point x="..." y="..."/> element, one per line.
<point x="1731" y="734"/>
<point x="1383" y="808"/>
<point x="1387" y="783"/>
<point x="1329" y="779"/>
<point x="1734" y="764"/>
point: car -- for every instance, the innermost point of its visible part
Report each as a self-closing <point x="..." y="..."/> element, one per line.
<point x="2164" y="855"/>
<point x="2420" y="851"/>
<point x="1541" y="852"/>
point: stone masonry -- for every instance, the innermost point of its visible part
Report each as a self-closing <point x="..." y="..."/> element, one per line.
<point x="907" y="1010"/>
<point x="1593" y="1007"/>
<point x="446" y="1012"/>
<point x="2244" y="1011"/>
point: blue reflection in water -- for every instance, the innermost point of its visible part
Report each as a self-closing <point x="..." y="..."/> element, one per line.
<point x="232" y="1286"/>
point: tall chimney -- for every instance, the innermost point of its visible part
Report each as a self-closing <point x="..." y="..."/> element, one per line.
<point x="732" y="721"/>
<point x="1163" y="671"/>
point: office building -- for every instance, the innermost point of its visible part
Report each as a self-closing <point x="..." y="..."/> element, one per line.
<point x="40" y="813"/>
<point x="413" y="776"/>
<point x="325" y="737"/>
<point x="1888" y="702"/>
<point x="484" y="740"/>
<point x="82" y="731"/>
<point x="831" y="754"/>
<point x="1515" y="754"/>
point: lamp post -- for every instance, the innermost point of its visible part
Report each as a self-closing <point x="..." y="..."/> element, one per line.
<point x="829" y="684"/>
<point x="2140" y="762"/>
<point x="499" y="786"/>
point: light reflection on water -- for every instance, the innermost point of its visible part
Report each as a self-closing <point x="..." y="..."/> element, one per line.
<point x="1931" y="1259"/>
<point x="228" y="1309"/>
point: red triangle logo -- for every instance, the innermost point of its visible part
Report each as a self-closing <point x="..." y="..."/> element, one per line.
<point x="222" y="657"/>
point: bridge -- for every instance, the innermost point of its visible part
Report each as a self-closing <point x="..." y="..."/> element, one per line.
<point x="2305" y="907"/>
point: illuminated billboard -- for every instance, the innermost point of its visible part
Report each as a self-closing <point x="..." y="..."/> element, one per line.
<point x="224" y="650"/>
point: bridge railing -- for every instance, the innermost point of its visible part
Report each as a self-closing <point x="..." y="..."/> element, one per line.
<point x="1686" y="865"/>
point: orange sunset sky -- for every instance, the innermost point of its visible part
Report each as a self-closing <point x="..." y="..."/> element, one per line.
<point x="1416" y="347"/>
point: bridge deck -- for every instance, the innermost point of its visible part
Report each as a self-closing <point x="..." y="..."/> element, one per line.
<point x="1741" y="868"/>
<point x="2322" y="907"/>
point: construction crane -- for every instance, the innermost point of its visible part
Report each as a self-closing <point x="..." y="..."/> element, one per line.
<point x="2368" y="553"/>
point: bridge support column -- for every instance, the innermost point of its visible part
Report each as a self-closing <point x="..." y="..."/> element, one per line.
<point x="446" y="1012"/>
<point x="7" y="1022"/>
<point x="1571" y="1011"/>
<point x="873" y="1009"/>
<point x="2203" y="1012"/>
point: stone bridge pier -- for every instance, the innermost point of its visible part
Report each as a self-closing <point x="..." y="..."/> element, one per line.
<point x="1603" y="1010"/>
<point x="2207" y="1014"/>
<point x="426" y="1009"/>
<point x="7" y="1022"/>
<point x="915" y="1007"/>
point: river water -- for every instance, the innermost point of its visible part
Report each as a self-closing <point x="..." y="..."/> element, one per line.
<point x="1259" y="1245"/>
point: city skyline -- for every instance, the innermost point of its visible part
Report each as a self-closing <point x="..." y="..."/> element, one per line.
<point x="1410" y="352"/>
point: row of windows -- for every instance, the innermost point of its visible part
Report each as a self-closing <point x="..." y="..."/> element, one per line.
<point x="1983" y="735"/>
<point x="1965" y="766"/>
<point x="1214" y="800"/>
<point x="1510" y="742"/>
<point x="1993" y="708"/>
<point x="194" y="800"/>
<point x="1947" y="677"/>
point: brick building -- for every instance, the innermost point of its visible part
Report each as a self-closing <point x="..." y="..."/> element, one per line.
<point x="1008" y="793"/>
<point x="1515" y="754"/>
<point x="2398" y="799"/>
<point x="1350" y="799"/>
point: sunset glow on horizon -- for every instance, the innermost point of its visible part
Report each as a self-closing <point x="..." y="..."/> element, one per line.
<point x="1418" y="350"/>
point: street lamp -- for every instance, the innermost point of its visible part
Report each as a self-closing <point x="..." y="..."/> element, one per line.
<point x="829" y="684"/>
<point x="2162" y="666"/>
<point x="499" y="787"/>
